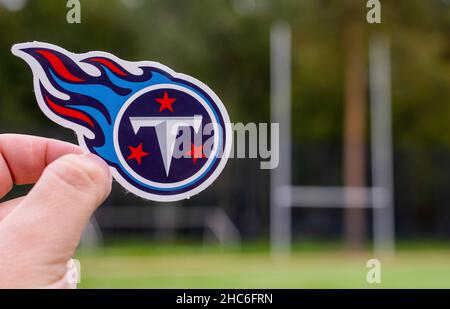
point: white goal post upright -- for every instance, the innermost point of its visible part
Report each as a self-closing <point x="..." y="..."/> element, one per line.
<point x="381" y="136"/>
<point x="280" y="83"/>
<point x="284" y="196"/>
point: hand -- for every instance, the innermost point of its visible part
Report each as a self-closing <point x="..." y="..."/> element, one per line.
<point x="39" y="233"/>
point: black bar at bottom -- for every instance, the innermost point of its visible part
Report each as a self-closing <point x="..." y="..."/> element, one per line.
<point x="221" y="298"/>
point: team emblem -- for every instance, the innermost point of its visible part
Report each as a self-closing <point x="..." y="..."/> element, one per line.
<point x="165" y="135"/>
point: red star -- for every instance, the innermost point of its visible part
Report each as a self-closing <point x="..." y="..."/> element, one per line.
<point x="166" y="102"/>
<point x="196" y="152"/>
<point x="137" y="153"/>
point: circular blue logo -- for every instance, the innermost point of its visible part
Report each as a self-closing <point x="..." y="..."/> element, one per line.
<point x="170" y="141"/>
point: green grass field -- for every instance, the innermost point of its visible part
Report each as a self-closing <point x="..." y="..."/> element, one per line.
<point x="310" y="266"/>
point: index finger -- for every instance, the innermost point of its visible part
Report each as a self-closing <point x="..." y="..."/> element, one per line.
<point x="23" y="158"/>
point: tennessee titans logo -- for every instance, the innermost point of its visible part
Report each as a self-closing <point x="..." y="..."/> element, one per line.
<point x="165" y="135"/>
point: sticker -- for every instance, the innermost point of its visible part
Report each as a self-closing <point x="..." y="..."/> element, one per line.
<point x="137" y="116"/>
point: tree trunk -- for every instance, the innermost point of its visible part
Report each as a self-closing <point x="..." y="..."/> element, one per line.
<point x="354" y="128"/>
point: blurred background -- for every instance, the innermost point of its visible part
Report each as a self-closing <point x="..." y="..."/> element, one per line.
<point x="221" y="237"/>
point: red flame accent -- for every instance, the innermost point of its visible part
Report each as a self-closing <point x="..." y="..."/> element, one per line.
<point x="68" y="112"/>
<point x="109" y="65"/>
<point x="59" y="66"/>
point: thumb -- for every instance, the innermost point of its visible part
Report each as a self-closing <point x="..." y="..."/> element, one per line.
<point x="45" y="229"/>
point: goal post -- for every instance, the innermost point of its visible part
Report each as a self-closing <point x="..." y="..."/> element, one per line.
<point x="285" y="196"/>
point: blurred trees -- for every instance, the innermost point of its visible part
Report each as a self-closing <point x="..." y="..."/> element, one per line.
<point x="228" y="49"/>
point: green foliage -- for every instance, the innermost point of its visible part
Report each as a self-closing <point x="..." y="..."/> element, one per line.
<point x="229" y="50"/>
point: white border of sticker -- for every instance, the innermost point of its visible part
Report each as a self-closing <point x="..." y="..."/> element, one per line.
<point x="132" y="67"/>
